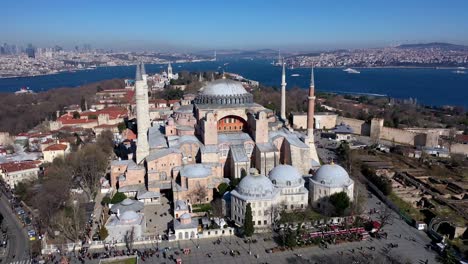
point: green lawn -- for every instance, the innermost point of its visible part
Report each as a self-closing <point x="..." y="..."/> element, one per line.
<point x="131" y="260"/>
<point x="406" y="207"/>
<point x="197" y="208"/>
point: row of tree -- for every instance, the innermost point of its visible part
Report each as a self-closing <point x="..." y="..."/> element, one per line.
<point x="59" y="209"/>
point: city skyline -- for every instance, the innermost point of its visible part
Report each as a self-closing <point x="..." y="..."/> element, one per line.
<point x="193" y="26"/>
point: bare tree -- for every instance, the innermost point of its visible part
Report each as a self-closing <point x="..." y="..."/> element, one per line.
<point x="217" y="206"/>
<point x="384" y="216"/>
<point x="89" y="165"/>
<point x="200" y="193"/>
<point x="71" y="222"/>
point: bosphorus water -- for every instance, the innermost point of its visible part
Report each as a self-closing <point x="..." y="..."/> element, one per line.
<point x="430" y="86"/>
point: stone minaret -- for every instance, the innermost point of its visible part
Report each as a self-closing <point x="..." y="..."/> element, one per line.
<point x="169" y="71"/>
<point x="310" y="118"/>
<point x="283" y="94"/>
<point x="144" y="76"/>
<point x="143" y="123"/>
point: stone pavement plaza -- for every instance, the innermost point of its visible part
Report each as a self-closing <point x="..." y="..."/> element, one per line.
<point x="156" y="221"/>
<point x="411" y="247"/>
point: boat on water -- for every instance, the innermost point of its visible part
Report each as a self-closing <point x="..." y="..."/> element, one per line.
<point x="349" y="70"/>
<point x="295" y="75"/>
<point x="459" y="72"/>
<point x="24" y="90"/>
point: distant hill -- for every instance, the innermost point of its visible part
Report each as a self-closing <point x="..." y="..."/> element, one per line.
<point x="438" y="45"/>
<point x="238" y="53"/>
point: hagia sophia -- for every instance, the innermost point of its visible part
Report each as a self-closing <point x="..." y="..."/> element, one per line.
<point x="219" y="135"/>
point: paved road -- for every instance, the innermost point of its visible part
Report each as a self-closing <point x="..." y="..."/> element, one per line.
<point x="18" y="242"/>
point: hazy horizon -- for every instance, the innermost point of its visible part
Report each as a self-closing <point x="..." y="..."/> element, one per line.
<point x="188" y="26"/>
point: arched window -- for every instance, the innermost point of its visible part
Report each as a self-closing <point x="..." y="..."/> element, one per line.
<point x="288" y="183"/>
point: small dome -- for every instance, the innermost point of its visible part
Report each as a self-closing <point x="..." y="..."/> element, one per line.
<point x="285" y="176"/>
<point x="185" y="216"/>
<point x="223" y="87"/>
<point x="332" y="175"/>
<point x="255" y="185"/>
<point x="127" y="201"/>
<point x="129" y="216"/>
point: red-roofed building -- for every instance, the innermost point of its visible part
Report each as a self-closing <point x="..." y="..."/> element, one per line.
<point x="463" y="139"/>
<point x="92" y="119"/>
<point x="55" y="151"/>
<point x="114" y="97"/>
<point x="14" y="172"/>
<point x="128" y="134"/>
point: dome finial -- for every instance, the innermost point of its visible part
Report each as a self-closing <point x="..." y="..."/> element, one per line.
<point x="332" y="162"/>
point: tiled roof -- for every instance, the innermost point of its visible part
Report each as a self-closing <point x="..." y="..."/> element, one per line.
<point x="18" y="166"/>
<point x="56" y="147"/>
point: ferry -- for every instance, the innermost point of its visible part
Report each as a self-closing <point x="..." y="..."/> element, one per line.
<point x="295" y="75"/>
<point x="24" y="90"/>
<point x="349" y="70"/>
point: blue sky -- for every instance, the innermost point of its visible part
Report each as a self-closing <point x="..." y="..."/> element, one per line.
<point x="197" y="24"/>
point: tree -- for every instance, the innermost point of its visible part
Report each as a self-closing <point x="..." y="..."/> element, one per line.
<point x="71" y="221"/>
<point x="200" y="193"/>
<point x="103" y="233"/>
<point x="105" y="201"/>
<point x="83" y="104"/>
<point x="171" y="94"/>
<point x="118" y="197"/>
<point x="340" y="202"/>
<point x="384" y="216"/>
<point x="343" y="152"/>
<point x="448" y="256"/>
<point x="248" y="221"/>
<point x="222" y="188"/>
<point x="106" y="141"/>
<point x="89" y="165"/>
<point x="121" y="126"/>
<point x="291" y="239"/>
<point x="76" y="115"/>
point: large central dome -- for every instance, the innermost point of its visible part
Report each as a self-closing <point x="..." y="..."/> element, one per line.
<point x="224" y="91"/>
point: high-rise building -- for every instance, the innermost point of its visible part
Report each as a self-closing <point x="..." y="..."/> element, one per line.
<point x="31" y="51"/>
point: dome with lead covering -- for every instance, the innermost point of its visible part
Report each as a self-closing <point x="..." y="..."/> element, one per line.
<point x="332" y="175"/>
<point x="129" y="216"/>
<point x="224" y="91"/>
<point x="195" y="171"/>
<point x="286" y="176"/>
<point x="255" y="185"/>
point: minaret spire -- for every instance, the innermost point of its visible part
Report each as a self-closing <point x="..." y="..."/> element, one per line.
<point x="138" y="73"/>
<point x="310" y="118"/>
<point x="142" y="111"/>
<point x="169" y="71"/>
<point x="283" y="94"/>
<point x="143" y="72"/>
